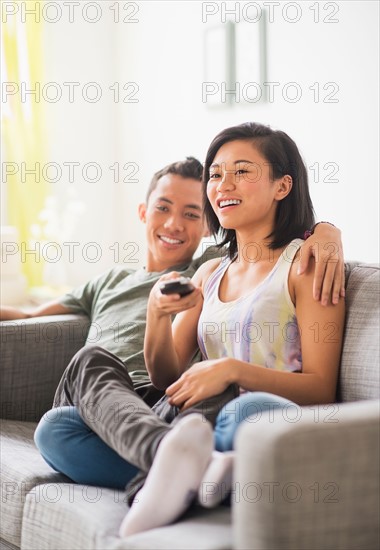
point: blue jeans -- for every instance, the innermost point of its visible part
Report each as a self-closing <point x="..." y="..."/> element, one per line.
<point x="69" y="446"/>
<point x="248" y="407"/>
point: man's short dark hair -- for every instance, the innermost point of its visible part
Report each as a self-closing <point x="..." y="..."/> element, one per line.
<point x="189" y="168"/>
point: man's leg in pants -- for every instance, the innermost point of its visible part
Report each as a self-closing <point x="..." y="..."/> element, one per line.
<point x="98" y="384"/>
<point x="209" y="408"/>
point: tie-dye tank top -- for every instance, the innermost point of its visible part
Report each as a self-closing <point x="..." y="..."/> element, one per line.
<point x="260" y="327"/>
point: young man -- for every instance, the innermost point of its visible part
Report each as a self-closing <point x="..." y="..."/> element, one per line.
<point x="105" y="386"/>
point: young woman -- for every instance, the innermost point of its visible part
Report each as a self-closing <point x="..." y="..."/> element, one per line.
<point x="251" y="314"/>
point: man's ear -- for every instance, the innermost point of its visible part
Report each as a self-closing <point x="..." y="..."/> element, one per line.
<point x="142" y="212"/>
<point x="284" y="186"/>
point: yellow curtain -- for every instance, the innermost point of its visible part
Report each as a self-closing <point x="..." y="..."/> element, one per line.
<point x="23" y="132"/>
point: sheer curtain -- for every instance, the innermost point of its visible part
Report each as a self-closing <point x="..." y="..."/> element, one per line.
<point x="24" y="139"/>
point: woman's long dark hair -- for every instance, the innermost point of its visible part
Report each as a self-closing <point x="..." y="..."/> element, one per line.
<point x="295" y="212"/>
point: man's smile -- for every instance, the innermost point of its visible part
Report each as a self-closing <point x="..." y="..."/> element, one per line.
<point x="170" y="240"/>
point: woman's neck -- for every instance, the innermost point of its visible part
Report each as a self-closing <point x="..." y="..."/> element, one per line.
<point x="254" y="245"/>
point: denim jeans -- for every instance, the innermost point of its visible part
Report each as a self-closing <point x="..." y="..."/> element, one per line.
<point x="248" y="407"/>
<point x="99" y="418"/>
<point x="69" y="446"/>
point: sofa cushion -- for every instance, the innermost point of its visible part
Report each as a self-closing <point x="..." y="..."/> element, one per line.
<point x="359" y="371"/>
<point x="199" y="529"/>
<point x="34" y="354"/>
<point x="22" y="470"/>
<point x="81" y="517"/>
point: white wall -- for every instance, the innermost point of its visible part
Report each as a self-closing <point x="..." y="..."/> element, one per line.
<point x="84" y="131"/>
<point x="163" y="55"/>
<point x="170" y="121"/>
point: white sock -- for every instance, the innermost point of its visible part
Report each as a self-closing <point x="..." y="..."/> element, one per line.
<point x="217" y="480"/>
<point x="174" y="478"/>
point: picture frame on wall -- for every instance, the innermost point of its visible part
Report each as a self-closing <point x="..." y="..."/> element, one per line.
<point x="235" y="64"/>
<point x="219" y="56"/>
<point x="250" y="60"/>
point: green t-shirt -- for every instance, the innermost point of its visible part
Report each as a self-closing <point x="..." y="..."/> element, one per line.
<point x="116" y="303"/>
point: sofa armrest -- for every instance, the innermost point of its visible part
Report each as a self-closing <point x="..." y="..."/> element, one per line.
<point x="34" y="354"/>
<point x="308" y="480"/>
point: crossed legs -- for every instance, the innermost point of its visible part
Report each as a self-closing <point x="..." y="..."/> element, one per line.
<point x="112" y="421"/>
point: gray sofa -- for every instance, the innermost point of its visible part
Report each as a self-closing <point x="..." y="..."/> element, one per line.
<point x="305" y="481"/>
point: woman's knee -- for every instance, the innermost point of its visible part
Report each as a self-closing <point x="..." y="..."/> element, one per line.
<point x="248" y="407"/>
<point x="253" y="403"/>
<point x="250" y="404"/>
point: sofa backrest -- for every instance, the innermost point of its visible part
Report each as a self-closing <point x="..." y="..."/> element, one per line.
<point x="359" y="370"/>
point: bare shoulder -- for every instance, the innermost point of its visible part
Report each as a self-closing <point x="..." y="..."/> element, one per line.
<point x="204" y="271"/>
<point x="295" y="281"/>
